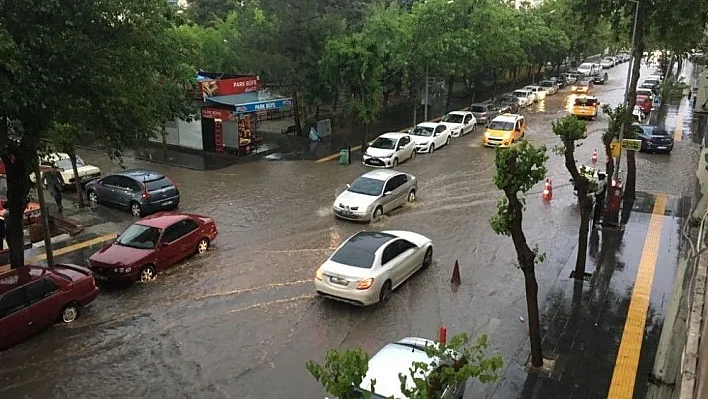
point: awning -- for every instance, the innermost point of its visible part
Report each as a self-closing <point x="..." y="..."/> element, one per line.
<point x="252" y="102"/>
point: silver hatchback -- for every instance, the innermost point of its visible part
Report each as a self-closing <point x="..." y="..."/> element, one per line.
<point x="374" y="194"/>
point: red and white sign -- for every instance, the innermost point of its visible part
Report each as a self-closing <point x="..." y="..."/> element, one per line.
<point x="216" y="113"/>
<point x="225" y="87"/>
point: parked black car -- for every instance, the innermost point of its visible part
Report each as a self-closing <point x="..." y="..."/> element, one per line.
<point x="600" y="78"/>
<point x="654" y="138"/>
<point x="141" y="191"/>
<point x="507" y="103"/>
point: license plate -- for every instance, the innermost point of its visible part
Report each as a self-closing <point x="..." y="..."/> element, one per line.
<point x="347" y="213"/>
<point x="167" y="203"/>
<point x="662" y="147"/>
<point x="337" y="280"/>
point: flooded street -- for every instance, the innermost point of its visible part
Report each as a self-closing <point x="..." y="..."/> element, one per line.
<point x="242" y="320"/>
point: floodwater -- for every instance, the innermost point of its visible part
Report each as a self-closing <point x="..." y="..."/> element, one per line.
<point x="242" y="320"/>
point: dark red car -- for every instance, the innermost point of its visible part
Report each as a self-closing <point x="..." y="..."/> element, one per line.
<point x="33" y="297"/>
<point x="153" y="244"/>
<point x="644" y="102"/>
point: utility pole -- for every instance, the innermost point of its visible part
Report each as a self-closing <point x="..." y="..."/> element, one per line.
<point x="425" y="113"/>
<point x="45" y="215"/>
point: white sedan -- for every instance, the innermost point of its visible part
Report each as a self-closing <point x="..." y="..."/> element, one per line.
<point x="388" y="150"/>
<point x="537" y="91"/>
<point x="459" y="122"/>
<point x="368" y="266"/>
<point x="429" y="135"/>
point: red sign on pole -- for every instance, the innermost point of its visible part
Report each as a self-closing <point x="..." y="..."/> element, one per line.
<point x="216" y="113"/>
<point x="225" y="87"/>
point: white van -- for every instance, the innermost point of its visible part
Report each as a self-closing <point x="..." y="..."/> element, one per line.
<point x="589" y="68"/>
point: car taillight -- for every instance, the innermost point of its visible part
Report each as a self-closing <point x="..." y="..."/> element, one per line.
<point x="365" y="284"/>
<point x="146" y="194"/>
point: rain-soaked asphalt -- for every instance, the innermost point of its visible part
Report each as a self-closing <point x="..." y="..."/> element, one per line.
<point x="241" y="321"/>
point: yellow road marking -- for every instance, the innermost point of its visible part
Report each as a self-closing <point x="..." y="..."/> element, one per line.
<point x="678" y="130"/>
<point x="625" y="372"/>
<point x="65" y="250"/>
<point x="358" y="147"/>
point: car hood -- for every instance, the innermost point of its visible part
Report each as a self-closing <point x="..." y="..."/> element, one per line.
<point x="421" y="139"/>
<point x="350" y="199"/>
<point x="379" y="152"/>
<point x="343" y="271"/>
<point x="452" y="126"/>
<point x="498" y="134"/>
<point x="119" y="255"/>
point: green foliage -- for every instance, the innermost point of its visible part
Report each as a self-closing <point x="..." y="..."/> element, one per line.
<point x="519" y="168"/>
<point x="672" y="91"/>
<point x="570" y="129"/>
<point x="617" y="116"/>
<point x="455" y="362"/>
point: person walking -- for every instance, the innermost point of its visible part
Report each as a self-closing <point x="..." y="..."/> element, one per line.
<point x="54" y="186"/>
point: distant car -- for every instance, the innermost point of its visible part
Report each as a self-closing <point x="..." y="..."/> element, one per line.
<point x="374" y="194"/>
<point x="653" y="81"/>
<point x="538" y="91"/>
<point x="583" y="87"/>
<point x="507" y="103"/>
<point x="151" y="245"/>
<point x="428" y="136"/>
<point x="586" y="107"/>
<point x="589" y="69"/>
<point x="600" y="78"/>
<point x="559" y="81"/>
<point x="460" y="122"/>
<point x="62" y="162"/>
<point x="607" y="63"/>
<point x="504" y="131"/>
<point x="32" y="298"/>
<point x="369" y="265"/>
<point x="484" y="112"/>
<point x="644" y="102"/>
<point x="549" y="86"/>
<point x="525" y="96"/>
<point x="398" y="358"/>
<point x="388" y="150"/>
<point x="141" y="191"/>
<point x="570" y="78"/>
<point x="654" y="138"/>
<point x="646" y="92"/>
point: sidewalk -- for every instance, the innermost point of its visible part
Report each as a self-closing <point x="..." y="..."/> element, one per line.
<point x="603" y="335"/>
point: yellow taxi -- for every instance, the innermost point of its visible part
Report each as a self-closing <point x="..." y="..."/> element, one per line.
<point x="586" y="107"/>
<point x="504" y="130"/>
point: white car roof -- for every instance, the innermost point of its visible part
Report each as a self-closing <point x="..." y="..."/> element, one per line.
<point x="463" y="113"/>
<point x="429" y="124"/>
<point x="56" y="156"/>
<point x="380" y="174"/>
<point x="507" y="118"/>
<point x="393" y="135"/>
<point x="532" y="87"/>
<point x="522" y="90"/>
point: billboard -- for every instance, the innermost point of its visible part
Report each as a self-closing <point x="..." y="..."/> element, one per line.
<point x="225" y="87"/>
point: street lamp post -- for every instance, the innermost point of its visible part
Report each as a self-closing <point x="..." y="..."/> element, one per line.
<point x="626" y="87"/>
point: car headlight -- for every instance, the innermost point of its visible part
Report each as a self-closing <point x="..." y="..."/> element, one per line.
<point x="318" y="274"/>
<point x="424" y="143"/>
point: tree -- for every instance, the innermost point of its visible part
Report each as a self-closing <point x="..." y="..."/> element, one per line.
<point x="519" y="168"/>
<point x="342" y="373"/>
<point x="54" y="53"/>
<point x="570" y="130"/>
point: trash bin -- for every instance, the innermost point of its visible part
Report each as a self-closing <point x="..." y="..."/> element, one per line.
<point x="344" y="156"/>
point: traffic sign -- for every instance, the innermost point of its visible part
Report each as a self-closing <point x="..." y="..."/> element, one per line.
<point x="632" y="144"/>
<point x="615" y="147"/>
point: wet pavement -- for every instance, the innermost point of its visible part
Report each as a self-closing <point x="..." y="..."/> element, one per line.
<point x="242" y="320"/>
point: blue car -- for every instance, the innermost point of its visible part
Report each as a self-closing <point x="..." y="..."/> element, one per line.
<point x="654" y="138"/>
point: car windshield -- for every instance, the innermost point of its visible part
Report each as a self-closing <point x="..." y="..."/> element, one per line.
<point x="453" y="118"/>
<point x="582" y="83"/>
<point x="367" y="186"/>
<point x="584" y="66"/>
<point x="139" y="236"/>
<point x="422" y="131"/>
<point x="477" y="108"/>
<point x="641" y="100"/>
<point x="585" y="102"/>
<point x="384" y="143"/>
<point x="521" y="94"/>
<point x="655" y="131"/>
<point x="546" y="83"/>
<point x="501" y="125"/>
<point x="505" y="99"/>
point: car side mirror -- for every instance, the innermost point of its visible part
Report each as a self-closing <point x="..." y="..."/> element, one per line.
<point x="388" y="193"/>
<point x="349" y="185"/>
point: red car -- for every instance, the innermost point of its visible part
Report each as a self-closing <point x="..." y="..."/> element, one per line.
<point x="34" y="297"/>
<point x="644" y="102"/>
<point x="151" y="245"/>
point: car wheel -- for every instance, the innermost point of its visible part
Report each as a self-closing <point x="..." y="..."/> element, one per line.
<point x="411" y="196"/>
<point x="378" y="212"/>
<point x="92" y="196"/>
<point x="202" y="246"/>
<point x="135" y="209"/>
<point x="428" y="259"/>
<point x="69" y="313"/>
<point x="448" y="141"/>
<point x="385" y="293"/>
<point x="147" y="273"/>
<point x="395" y="162"/>
<point x="432" y="149"/>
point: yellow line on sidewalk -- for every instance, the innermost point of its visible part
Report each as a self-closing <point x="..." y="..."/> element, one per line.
<point x="358" y="147"/>
<point x="678" y="130"/>
<point x="65" y="250"/>
<point x="625" y="372"/>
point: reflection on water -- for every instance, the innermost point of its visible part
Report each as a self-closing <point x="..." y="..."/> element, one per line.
<point x="569" y="103"/>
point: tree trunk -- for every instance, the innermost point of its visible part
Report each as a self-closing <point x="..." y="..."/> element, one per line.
<point x="450" y="84"/>
<point x="336" y="101"/>
<point x="514" y="75"/>
<point x="585" y="203"/>
<point x="670" y="66"/>
<point x="386" y="96"/>
<point x="414" y="97"/>
<point x="45" y="215"/>
<point x="296" y="112"/>
<point x="495" y="75"/>
<point x="17" y="170"/>
<point x="526" y="258"/>
<point x="609" y="162"/>
<point x="77" y="179"/>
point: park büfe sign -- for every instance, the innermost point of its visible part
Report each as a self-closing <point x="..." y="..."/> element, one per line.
<point x="225" y="87"/>
<point x="263" y="105"/>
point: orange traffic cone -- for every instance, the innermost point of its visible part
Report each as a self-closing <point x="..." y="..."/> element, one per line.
<point x="594" y="156"/>
<point x="547" y="190"/>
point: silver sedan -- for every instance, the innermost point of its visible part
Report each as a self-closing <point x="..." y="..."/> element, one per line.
<point x="366" y="268"/>
<point x="374" y="194"/>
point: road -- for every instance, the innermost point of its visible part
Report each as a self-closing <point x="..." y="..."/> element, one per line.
<point x="241" y="321"/>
